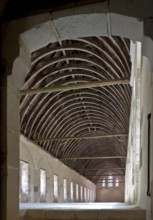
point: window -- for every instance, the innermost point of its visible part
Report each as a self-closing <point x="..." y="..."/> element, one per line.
<point x="110" y="181"/>
<point x="24" y="169"/>
<point x="55" y="187"/>
<point x="116" y="182"/>
<point x="42" y="182"/>
<point x="104" y="183"/>
<point x="77" y="192"/>
<point x="71" y="191"/>
<point x="81" y="193"/>
<point x="65" y="189"/>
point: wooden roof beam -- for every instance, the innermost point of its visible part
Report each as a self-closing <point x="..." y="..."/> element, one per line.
<point x="115" y="168"/>
<point x="63" y="88"/>
<point x="92" y="158"/>
<point x="106" y="175"/>
<point x="81" y="137"/>
<point x="100" y="181"/>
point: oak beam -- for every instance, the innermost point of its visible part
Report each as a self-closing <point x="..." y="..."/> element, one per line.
<point x="92" y="158"/>
<point x="115" y="168"/>
<point x="105" y="175"/>
<point x="81" y="137"/>
<point x="100" y="181"/>
<point x="63" y="88"/>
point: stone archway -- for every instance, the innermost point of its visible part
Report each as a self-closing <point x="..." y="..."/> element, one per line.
<point x="55" y="30"/>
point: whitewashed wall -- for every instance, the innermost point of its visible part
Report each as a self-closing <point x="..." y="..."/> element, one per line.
<point x="39" y="159"/>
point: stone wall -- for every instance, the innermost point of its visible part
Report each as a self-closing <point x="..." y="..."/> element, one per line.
<point x="135" y="20"/>
<point x="137" y="159"/>
<point x="146" y="108"/>
<point x="110" y="194"/>
<point x="38" y="159"/>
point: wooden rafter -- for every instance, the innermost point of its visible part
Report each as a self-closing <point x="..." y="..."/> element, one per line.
<point x="81" y="137"/>
<point x="115" y="168"/>
<point x="104" y="175"/>
<point x="74" y="86"/>
<point x="100" y="180"/>
<point x="56" y="120"/>
<point x="92" y="158"/>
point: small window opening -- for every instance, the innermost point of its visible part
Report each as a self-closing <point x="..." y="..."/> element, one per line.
<point x="55" y="187"/>
<point x="42" y="182"/>
<point x="104" y="183"/>
<point x="77" y="192"/>
<point x="71" y="191"/>
<point x="110" y="181"/>
<point x="65" y="189"/>
<point x="116" y="182"/>
<point x="24" y="177"/>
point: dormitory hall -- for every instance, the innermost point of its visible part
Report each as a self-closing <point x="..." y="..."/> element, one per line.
<point x="76" y="110"/>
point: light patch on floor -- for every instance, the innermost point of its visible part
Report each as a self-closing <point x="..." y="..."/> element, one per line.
<point x="77" y="206"/>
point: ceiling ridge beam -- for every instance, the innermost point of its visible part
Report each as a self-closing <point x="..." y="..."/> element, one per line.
<point x="81" y="137"/>
<point x="73" y="86"/>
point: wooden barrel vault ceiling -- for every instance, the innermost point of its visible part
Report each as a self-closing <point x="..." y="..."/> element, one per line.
<point x="75" y="104"/>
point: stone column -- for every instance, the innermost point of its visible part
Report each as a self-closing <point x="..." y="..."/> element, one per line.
<point x="3" y="148"/>
<point x="13" y="131"/>
<point x="9" y="149"/>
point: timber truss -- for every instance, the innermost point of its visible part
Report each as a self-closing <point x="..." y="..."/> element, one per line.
<point x="75" y="103"/>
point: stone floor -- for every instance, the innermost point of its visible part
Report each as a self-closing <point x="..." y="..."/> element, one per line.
<point x="77" y="206"/>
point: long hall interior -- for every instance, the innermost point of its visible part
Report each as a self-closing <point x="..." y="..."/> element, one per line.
<point x="76" y="110"/>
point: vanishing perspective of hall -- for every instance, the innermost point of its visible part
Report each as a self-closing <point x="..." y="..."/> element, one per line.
<point x="76" y="102"/>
